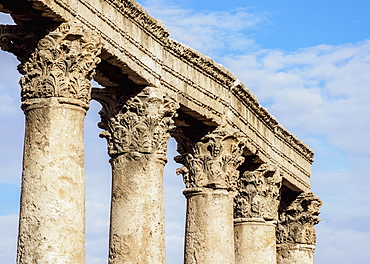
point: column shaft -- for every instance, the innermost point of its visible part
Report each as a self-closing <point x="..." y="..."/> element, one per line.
<point x="296" y="254"/>
<point x="255" y="241"/>
<point x="209" y="227"/>
<point x="58" y="64"/>
<point x="137" y="233"/>
<point x="52" y="216"/>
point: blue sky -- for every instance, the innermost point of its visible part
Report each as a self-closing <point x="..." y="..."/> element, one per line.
<point x="308" y="62"/>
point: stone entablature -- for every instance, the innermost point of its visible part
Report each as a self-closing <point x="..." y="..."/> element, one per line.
<point x="246" y="177"/>
<point x="140" y="47"/>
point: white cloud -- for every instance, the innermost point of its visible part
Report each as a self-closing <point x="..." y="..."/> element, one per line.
<point x="342" y="246"/>
<point x="319" y="90"/>
<point x="320" y="93"/>
<point x="209" y="32"/>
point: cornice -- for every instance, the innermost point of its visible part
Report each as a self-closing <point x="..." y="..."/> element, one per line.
<point x="154" y="28"/>
<point x="211" y="68"/>
<point x="250" y="100"/>
<point x="140" y="17"/>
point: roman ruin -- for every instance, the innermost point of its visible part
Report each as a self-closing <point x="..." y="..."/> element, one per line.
<point x="247" y="178"/>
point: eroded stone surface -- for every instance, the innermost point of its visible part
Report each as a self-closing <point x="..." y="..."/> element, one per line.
<point x="140" y="47"/>
<point x="209" y="234"/>
<point x="256" y="211"/>
<point x="137" y="131"/>
<point x="295" y="254"/>
<point x="210" y="175"/>
<point x="258" y="193"/>
<point x="297" y="220"/>
<point x="213" y="161"/>
<point x="55" y="90"/>
<point x="296" y="235"/>
<point x="255" y="241"/>
<point x="59" y="59"/>
<point x="52" y="215"/>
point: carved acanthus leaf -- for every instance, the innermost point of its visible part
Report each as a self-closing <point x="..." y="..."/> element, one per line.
<point x="139" y="124"/>
<point x="213" y="161"/>
<point x="295" y="225"/>
<point x="62" y="64"/>
<point x="258" y="193"/>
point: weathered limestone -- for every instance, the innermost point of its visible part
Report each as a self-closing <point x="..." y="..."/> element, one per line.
<point x="141" y="65"/>
<point x="55" y="93"/>
<point x="140" y="47"/>
<point x="256" y="207"/>
<point x="255" y="241"/>
<point x="296" y="236"/>
<point x="52" y="215"/>
<point x="210" y="174"/>
<point x="137" y="133"/>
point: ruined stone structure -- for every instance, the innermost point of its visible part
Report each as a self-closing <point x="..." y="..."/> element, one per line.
<point x="247" y="178"/>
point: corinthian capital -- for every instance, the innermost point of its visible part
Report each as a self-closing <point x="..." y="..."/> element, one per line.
<point x="59" y="64"/>
<point x="258" y="193"/>
<point x="138" y="124"/>
<point x="295" y="225"/>
<point x="212" y="161"/>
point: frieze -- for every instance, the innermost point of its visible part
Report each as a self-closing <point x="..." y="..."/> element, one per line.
<point x="258" y="193"/>
<point x="62" y="64"/>
<point x="217" y="72"/>
<point x="156" y="28"/>
<point x="138" y="124"/>
<point x="211" y="162"/>
<point x="211" y="68"/>
<point x="296" y="222"/>
<point x="136" y="13"/>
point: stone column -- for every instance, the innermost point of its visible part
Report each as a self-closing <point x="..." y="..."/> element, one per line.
<point x="55" y="92"/>
<point x="210" y="174"/>
<point x="296" y="235"/>
<point x="256" y="207"/>
<point x="137" y="134"/>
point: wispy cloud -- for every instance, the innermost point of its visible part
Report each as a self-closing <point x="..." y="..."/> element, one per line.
<point x="319" y="93"/>
<point x="209" y="32"/>
<point x="319" y="90"/>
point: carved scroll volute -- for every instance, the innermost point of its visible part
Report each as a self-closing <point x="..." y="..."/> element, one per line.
<point x="139" y="124"/>
<point x="213" y="161"/>
<point x="296" y="222"/>
<point x="61" y="64"/>
<point x="258" y="193"/>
